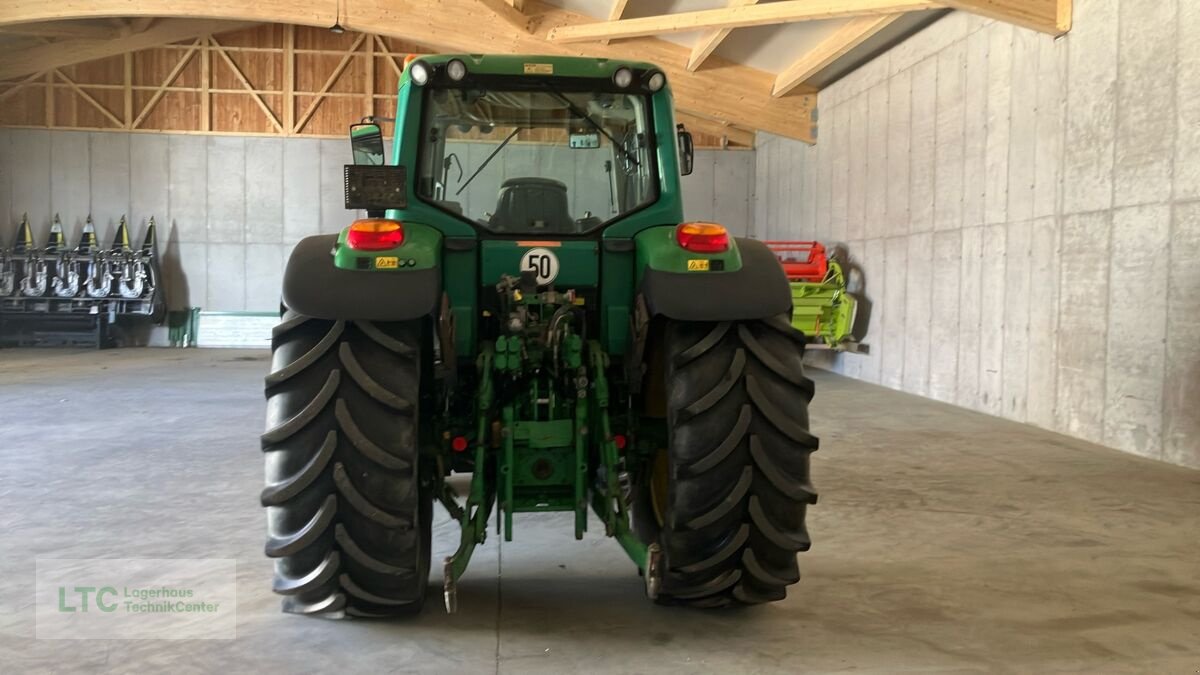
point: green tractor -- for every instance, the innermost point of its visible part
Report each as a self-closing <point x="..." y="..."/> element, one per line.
<point x="525" y="304"/>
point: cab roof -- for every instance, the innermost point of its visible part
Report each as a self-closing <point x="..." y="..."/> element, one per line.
<point x="537" y="65"/>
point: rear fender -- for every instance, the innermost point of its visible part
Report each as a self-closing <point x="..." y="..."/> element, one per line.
<point x="394" y="285"/>
<point x="745" y="283"/>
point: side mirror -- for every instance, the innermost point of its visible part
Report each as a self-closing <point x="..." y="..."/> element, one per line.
<point x="366" y="142"/>
<point x="687" y="151"/>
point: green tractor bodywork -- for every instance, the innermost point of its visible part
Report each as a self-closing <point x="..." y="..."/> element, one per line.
<point x="539" y="328"/>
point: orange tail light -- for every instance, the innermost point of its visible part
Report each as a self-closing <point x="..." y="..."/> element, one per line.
<point x="702" y="237"/>
<point x="375" y="234"/>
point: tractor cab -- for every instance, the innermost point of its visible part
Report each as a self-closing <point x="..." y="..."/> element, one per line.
<point x="507" y="146"/>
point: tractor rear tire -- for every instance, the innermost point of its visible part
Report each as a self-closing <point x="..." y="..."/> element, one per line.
<point x="348" y="519"/>
<point x="736" y="479"/>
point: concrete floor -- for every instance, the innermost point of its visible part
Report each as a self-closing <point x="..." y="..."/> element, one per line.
<point x="944" y="540"/>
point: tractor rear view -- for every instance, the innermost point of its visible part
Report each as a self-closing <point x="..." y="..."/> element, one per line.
<point x="525" y="304"/>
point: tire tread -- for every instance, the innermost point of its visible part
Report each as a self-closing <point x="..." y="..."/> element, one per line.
<point x="348" y="519"/>
<point x="737" y="417"/>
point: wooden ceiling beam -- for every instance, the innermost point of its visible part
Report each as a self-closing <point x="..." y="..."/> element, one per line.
<point x="117" y="123"/>
<point x="786" y="11"/>
<point x="733" y="92"/>
<point x="162" y="89"/>
<point x="329" y="82"/>
<point x="1045" y="16"/>
<point x="728" y="133"/>
<point x="63" y="29"/>
<point x="509" y="13"/>
<point x="854" y="33"/>
<point x="615" y="14"/>
<point x="241" y="76"/>
<point x="708" y="43"/>
<point x="141" y="24"/>
<point x="59" y="54"/>
<point x="618" y="10"/>
<point x="14" y="87"/>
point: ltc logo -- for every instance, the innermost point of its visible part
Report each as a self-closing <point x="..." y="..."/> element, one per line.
<point x="542" y="262"/>
<point x="67" y="599"/>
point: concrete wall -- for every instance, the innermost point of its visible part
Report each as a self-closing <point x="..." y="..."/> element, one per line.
<point x="229" y="209"/>
<point x="1025" y="214"/>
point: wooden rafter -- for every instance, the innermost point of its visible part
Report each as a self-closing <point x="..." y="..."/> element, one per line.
<point x="60" y="54"/>
<point x="127" y="94"/>
<point x="1046" y="16"/>
<point x="853" y="33"/>
<point x="141" y="24"/>
<point x="618" y="10"/>
<point x="117" y="122"/>
<point x="615" y="14"/>
<point x="49" y="100"/>
<point x="786" y="11"/>
<point x="162" y="89"/>
<point x="205" y="83"/>
<point x="709" y="41"/>
<point x="241" y="76"/>
<point x="369" y="77"/>
<point x="1064" y="16"/>
<point x="333" y="78"/>
<point x="467" y="26"/>
<point x="63" y="29"/>
<point x="256" y="56"/>
<point x="127" y="27"/>
<point x="510" y="14"/>
<point x="391" y="58"/>
<point x="14" y="88"/>
<point x="289" y="78"/>
<point x="727" y="133"/>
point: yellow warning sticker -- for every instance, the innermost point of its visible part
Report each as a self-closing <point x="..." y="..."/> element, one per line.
<point x="387" y="262"/>
<point x="697" y="265"/>
<point x="539" y="68"/>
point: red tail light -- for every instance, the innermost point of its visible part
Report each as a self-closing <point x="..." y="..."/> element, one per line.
<point x="702" y="237"/>
<point x="375" y="234"/>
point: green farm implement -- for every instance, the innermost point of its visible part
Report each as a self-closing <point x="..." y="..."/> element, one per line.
<point x="525" y="304"/>
<point x="822" y="308"/>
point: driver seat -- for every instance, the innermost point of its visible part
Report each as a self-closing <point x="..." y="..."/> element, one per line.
<point x="531" y="205"/>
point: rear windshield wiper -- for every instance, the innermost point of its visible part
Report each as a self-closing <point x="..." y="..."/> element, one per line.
<point x="489" y="159"/>
<point x="577" y="111"/>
